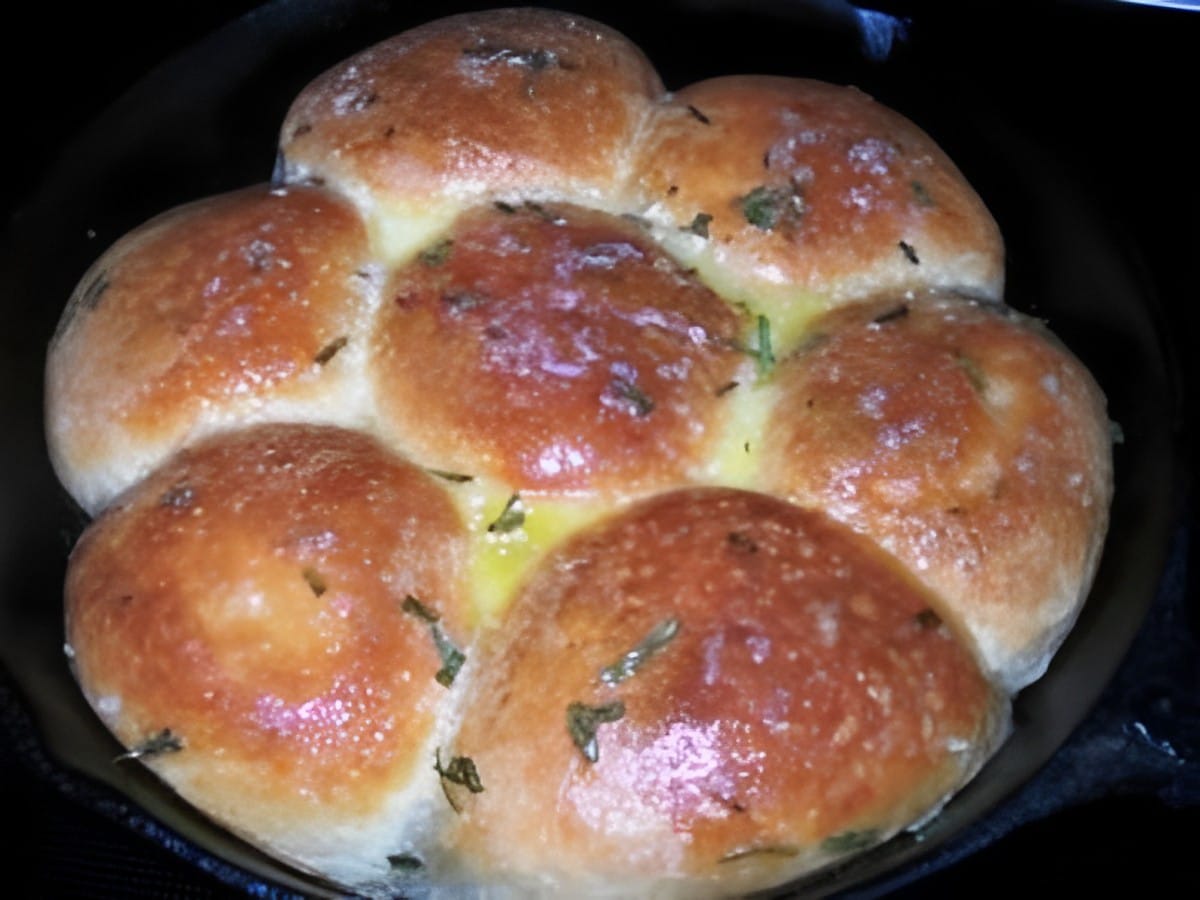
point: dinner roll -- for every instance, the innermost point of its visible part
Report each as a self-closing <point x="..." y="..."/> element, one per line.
<point x="518" y="104"/>
<point x="710" y="692"/>
<point x="795" y="194"/>
<point x="556" y="349"/>
<point x="969" y="444"/>
<point x="229" y="310"/>
<point x="267" y="621"/>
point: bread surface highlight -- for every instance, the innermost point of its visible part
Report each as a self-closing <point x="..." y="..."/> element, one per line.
<point x="552" y="483"/>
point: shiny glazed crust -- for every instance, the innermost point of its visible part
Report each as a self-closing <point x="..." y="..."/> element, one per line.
<point x="556" y="483"/>
<point x="232" y="309"/>
<point x="249" y="597"/>
<point x="749" y="690"/>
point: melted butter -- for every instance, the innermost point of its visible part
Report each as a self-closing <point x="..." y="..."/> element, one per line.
<point x="735" y="459"/>
<point x="398" y="231"/>
<point x="500" y="559"/>
<point x="763" y="291"/>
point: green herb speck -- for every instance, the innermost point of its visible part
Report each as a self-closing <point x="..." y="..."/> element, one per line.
<point x="763" y="354"/>
<point x="767" y="206"/>
<point x="973" y="371"/>
<point x="894" y="314"/>
<point x="165" y="741"/>
<point x="455" y="477"/>
<point x="452" y="658"/>
<point x="658" y="638"/>
<point x="921" y="194"/>
<point x="699" y="224"/>
<point x="511" y="517"/>
<point x="739" y="853"/>
<point x="583" y="722"/>
<point x="849" y="841"/>
<point x="405" y="862"/>
<point x="330" y="350"/>
<point x="437" y="254"/>
<point x="459" y="771"/>
<point x="642" y="404"/>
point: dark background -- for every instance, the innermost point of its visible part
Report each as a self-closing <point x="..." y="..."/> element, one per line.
<point x="1109" y="88"/>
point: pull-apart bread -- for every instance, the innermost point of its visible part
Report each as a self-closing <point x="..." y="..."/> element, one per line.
<point x="549" y="482"/>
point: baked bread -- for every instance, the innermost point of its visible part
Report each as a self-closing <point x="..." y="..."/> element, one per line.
<point x="554" y="483"/>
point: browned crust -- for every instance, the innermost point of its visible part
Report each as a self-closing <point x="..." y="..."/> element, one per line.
<point x="206" y="313"/>
<point x="808" y="691"/>
<point x="556" y="349"/>
<point x="512" y="101"/>
<point x="249" y="597"/>
<point x="813" y="186"/>
<point x="967" y="442"/>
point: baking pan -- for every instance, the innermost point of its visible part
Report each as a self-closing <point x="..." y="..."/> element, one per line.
<point x="206" y="121"/>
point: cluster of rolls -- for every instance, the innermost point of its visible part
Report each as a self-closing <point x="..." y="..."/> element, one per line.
<point x="552" y="482"/>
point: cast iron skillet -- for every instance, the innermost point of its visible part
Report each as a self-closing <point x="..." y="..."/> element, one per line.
<point x="207" y="122"/>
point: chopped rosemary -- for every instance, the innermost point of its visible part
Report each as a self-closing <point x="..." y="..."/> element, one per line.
<point x="405" y="862"/>
<point x="738" y="853"/>
<point x="848" y="841"/>
<point x="315" y="581"/>
<point x="762" y="353"/>
<point x="726" y="388"/>
<point x="330" y="350"/>
<point x="165" y="741"/>
<point x="699" y="116"/>
<point x="658" y="638"/>
<point x="415" y="607"/>
<point x="452" y="657"/>
<point x="544" y="214"/>
<point x="461" y="771"/>
<point x="699" y="224"/>
<point x="928" y="619"/>
<point x="642" y="404"/>
<point x="767" y="206"/>
<point x="437" y="254"/>
<point x="455" y="477"/>
<point x="909" y="253"/>
<point x="892" y="315"/>
<point x="973" y="371"/>
<point x="583" y="720"/>
<point x="921" y="194"/>
<point x="511" y="517"/>
<point x="459" y="302"/>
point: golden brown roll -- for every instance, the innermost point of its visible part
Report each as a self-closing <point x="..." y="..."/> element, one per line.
<point x="811" y="193"/>
<point x="967" y="442"/>
<point x="551" y="483"/>
<point x="234" y="309"/>
<point x="556" y="349"/>
<point x="269" y="621"/>
<point x="712" y="691"/>
<point x="500" y="104"/>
